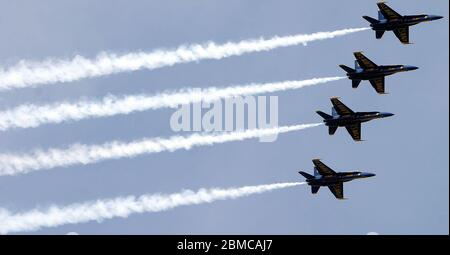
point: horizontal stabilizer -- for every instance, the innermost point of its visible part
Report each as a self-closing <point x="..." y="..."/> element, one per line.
<point x="315" y="189"/>
<point x="347" y="69"/>
<point x="332" y="130"/>
<point x="324" y="115"/>
<point x="355" y="83"/>
<point x="379" y="34"/>
<point x="371" y="20"/>
<point x="306" y="175"/>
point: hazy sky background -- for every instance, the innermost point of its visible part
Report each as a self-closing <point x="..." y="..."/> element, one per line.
<point x="408" y="152"/>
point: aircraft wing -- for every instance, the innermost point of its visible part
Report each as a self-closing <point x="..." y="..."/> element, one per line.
<point x="378" y="84"/>
<point x="354" y="131"/>
<point x="363" y="61"/>
<point x="387" y="12"/>
<point x="341" y="108"/>
<point x="402" y="34"/>
<point x="323" y="169"/>
<point x="337" y="190"/>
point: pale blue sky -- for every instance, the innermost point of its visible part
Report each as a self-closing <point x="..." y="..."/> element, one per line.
<point x="408" y="152"/>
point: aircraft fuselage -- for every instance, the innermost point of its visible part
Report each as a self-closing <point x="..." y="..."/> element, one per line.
<point x="335" y="179"/>
<point x="358" y="117"/>
<point x="380" y="71"/>
<point x="405" y="21"/>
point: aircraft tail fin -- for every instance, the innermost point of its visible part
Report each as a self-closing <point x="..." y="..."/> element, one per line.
<point x="306" y="175"/>
<point x="357" y="66"/>
<point x="380" y="15"/>
<point x="324" y="115"/>
<point x="371" y="20"/>
<point x="347" y="69"/>
<point x="334" y="112"/>
<point x="316" y="172"/>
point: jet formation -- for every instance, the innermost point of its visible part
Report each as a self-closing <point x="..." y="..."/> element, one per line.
<point x="365" y="69"/>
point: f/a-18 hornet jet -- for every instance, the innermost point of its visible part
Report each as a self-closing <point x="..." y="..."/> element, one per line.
<point x="390" y="20"/>
<point x="325" y="176"/>
<point x="365" y="69"/>
<point x="342" y="116"/>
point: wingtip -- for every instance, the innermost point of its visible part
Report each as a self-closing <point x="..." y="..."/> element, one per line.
<point x="358" y="54"/>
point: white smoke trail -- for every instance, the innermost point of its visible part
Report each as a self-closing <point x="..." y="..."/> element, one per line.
<point x="27" y="116"/>
<point x="32" y="74"/>
<point x="123" y="206"/>
<point x="13" y="164"/>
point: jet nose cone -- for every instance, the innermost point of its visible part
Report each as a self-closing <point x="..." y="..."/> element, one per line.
<point x="386" y="114"/>
<point x="368" y="175"/>
<point x="411" y="68"/>
<point x="434" y="17"/>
